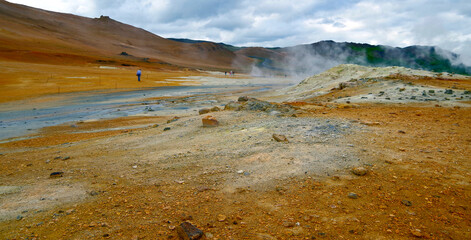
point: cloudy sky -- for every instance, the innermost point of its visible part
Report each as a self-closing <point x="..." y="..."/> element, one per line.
<point x="400" y="23"/>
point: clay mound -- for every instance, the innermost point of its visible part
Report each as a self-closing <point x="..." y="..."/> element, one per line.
<point x="349" y="82"/>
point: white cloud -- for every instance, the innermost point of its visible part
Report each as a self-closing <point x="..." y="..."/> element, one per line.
<point x="446" y="24"/>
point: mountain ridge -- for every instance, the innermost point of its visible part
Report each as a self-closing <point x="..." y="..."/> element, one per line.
<point x="36" y="35"/>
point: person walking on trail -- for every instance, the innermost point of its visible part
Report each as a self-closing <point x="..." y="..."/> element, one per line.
<point x="138" y="74"/>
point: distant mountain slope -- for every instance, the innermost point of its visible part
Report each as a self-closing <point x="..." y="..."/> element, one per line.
<point x="35" y="35"/>
<point x="320" y="56"/>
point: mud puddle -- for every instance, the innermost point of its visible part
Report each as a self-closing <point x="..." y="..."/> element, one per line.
<point x="22" y="118"/>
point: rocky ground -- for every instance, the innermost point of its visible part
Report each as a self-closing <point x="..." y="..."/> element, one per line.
<point x="359" y="170"/>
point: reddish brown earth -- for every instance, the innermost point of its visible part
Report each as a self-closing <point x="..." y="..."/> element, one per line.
<point x="424" y="160"/>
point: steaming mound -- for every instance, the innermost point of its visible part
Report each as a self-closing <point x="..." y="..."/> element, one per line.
<point x="354" y="83"/>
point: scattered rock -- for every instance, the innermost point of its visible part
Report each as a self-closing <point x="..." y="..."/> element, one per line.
<point x="416" y="233"/>
<point x="186" y="217"/>
<point x="167" y="128"/>
<point x="215" y="109"/>
<point x="407" y="203"/>
<point x="233" y="106"/>
<point x="359" y="171"/>
<point x="448" y="91"/>
<point x="204" y="111"/>
<point x="221" y="218"/>
<point x="352" y="195"/>
<point x="288" y="224"/>
<point x="94" y="193"/>
<point x="370" y="123"/>
<point x="186" y="231"/>
<point x="243" y="99"/>
<point x="253" y="104"/>
<point x="56" y="174"/>
<point x="280" y="138"/>
<point x="173" y="119"/>
<point x="210" y="121"/>
<point x="19" y="217"/>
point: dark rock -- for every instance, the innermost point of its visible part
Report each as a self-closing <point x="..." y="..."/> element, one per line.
<point x="186" y="231"/>
<point x="215" y="109"/>
<point x="56" y="174"/>
<point x="174" y="119"/>
<point x="19" y="217"/>
<point x="280" y="138"/>
<point x="359" y="171"/>
<point x="66" y="158"/>
<point x="167" y="128"/>
<point x="94" y="193"/>
<point x="243" y="99"/>
<point x="233" y="106"/>
<point x="407" y="203"/>
<point x="448" y="91"/>
<point x="204" y="111"/>
<point x="352" y="195"/>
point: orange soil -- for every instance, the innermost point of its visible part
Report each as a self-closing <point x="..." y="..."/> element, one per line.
<point x="25" y="80"/>
<point x="418" y="154"/>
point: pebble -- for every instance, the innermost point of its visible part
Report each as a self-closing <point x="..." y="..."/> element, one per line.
<point x="56" y="174"/>
<point x="240" y="171"/>
<point x="187" y="231"/>
<point x="280" y="138"/>
<point x="359" y="171"/>
<point x="352" y="195"/>
<point x="19" y="217"/>
<point x="288" y="224"/>
<point x="221" y="218"/>
<point x="407" y="203"/>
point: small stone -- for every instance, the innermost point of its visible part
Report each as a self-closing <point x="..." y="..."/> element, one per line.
<point x="221" y="218"/>
<point x="417" y="233"/>
<point x="19" y="217"/>
<point x="352" y="195"/>
<point x="400" y="131"/>
<point x="94" y="193"/>
<point x="280" y="138"/>
<point x="186" y="231"/>
<point x="210" y="121"/>
<point x="215" y="109"/>
<point x="56" y="174"/>
<point x="135" y="166"/>
<point x="173" y="119"/>
<point x="407" y="203"/>
<point x="167" y="128"/>
<point x="48" y="161"/>
<point x="204" y="111"/>
<point x="243" y="99"/>
<point x="288" y="224"/>
<point x="66" y="158"/>
<point x="240" y="171"/>
<point x="171" y="227"/>
<point x="359" y="171"/>
<point x="186" y="217"/>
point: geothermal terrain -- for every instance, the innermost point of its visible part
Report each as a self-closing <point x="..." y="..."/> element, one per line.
<point x="87" y="152"/>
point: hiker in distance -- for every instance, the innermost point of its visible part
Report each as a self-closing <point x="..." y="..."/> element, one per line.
<point x="138" y="74"/>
